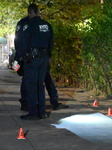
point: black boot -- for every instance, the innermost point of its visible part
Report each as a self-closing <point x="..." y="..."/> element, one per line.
<point x="23" y="106"/>
<point x="60" y="106"/>
<point x="41" y="116"/>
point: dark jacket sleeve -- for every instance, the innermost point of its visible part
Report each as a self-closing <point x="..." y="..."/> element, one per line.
<point x="21" y="40"/>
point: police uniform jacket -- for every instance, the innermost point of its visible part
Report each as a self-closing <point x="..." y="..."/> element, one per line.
<point x="33" y="33"/>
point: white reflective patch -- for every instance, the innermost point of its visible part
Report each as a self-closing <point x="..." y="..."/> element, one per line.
<point x="25" y="27"/>
<point x="43" y="28"/>
<point x="18" y="28"/>
<point x="94" y="127"/>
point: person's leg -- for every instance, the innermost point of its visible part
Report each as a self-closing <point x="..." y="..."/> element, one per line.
<point x="51" y="89"/>
<point x="31" y="78"/>
<point x="41" y="87"/>
<point x="22" y="100"/>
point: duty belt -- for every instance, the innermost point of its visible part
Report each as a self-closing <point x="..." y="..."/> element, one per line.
<point x="38" y="52"/>
<point x="35" y="53"/>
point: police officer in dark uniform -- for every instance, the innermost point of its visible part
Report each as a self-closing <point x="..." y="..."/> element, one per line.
<point x="35" y="46"/>
<point x="50" y="86"/>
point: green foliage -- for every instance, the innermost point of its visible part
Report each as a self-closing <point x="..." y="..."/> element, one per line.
<point x="97" y="49"/>
<point x="66" y="54"/>
<point x="10" y="12"/>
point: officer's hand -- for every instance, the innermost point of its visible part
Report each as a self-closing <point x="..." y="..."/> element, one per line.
<point x="16" y="66"/>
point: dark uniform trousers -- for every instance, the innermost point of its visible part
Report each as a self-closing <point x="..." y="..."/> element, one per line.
<point x="23" y="92"/>
<point x="51" y="89"/>
<point x="50" y="86"/>
<point x="34" y="76"/>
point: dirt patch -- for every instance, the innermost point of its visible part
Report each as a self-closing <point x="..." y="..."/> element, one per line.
<point x="88" y="98"/>
<point x="2" y="91"/>
<point x="68" y="91"/>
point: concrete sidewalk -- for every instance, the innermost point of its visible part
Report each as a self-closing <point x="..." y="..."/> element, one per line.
<point x="40" y="135"/>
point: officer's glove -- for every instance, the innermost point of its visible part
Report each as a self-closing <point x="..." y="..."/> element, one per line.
<point x="16" y="66"/>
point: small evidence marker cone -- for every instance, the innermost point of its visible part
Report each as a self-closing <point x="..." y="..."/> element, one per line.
<point x="95" y="104"/>
<point x="109" y="112"/>
<point x="21" y="134"/>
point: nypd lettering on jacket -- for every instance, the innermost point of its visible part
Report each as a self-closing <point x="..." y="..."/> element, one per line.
<point x="43" y="28"/>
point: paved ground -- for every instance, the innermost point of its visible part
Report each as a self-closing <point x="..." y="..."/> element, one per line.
<point x="41" y="135"/>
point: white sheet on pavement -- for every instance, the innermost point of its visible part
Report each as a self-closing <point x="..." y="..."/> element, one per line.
<point x="94" y="127"/>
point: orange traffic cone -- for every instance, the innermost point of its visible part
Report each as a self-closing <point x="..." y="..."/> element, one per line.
<point x="21" y="134"/>
<point x="109" y="112"/>
<point x="95" y="104"/>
